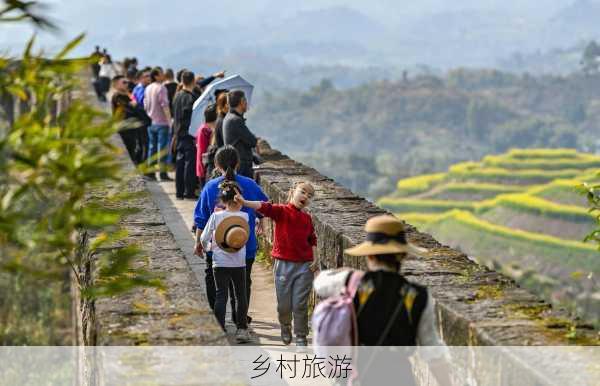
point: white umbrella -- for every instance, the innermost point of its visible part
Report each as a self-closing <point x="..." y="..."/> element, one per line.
<point x="234" y="82"/>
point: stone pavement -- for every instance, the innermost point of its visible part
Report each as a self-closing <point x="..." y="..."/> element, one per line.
<point x="178" y="215"/>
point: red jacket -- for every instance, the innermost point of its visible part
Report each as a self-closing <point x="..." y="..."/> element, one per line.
<point x="294" y="232"/>
<point x="202" y="142"/>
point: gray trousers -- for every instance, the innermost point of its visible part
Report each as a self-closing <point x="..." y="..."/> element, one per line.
<point x="293" y="282"/>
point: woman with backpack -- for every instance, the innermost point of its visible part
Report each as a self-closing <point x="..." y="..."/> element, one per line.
<point x="385" y="308"/>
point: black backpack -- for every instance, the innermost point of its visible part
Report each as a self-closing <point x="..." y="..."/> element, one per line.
<point x="208" y="160"/>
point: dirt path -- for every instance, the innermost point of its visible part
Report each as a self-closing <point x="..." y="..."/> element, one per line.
<point x="178" y="215"/>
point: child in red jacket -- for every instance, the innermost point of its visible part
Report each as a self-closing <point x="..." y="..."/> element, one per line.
<point x="294" y="263"/>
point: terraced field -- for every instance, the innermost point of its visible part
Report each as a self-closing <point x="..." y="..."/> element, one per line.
<point x="519" y="212"/>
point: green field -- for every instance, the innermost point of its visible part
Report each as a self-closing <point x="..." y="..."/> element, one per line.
<point x="464" y="229"/>
<point x="521" y="208"/>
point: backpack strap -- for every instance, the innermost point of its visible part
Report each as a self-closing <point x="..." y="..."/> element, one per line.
<point x="353" y="282"/>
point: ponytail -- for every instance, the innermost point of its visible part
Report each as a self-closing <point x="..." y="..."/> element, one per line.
<point x="229" y="174"/>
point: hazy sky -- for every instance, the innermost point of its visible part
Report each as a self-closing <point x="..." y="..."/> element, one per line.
<point x="94" y="16"/>
<point x="145" y="27"/>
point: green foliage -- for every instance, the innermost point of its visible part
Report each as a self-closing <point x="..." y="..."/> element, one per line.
<point x="535" y="132"/>
<point x="547" y="154"/>
<point x="470" y="191"/>
<point x="528" y="203"/>
<point x="582" y="162"/>
<point x="560" y="191"/>
<point x="53" y="159"/>
<point x="418" y="184"/>
<point x="563" y="252"/>
<point x="592" y="192"/>
<point x="419" y="219"/>
<point x="16" y="11"/>
<point x="399" y="205"/>
<point x="589" y="60"/>
<point x="535" y="224"/>
<point x="475" y="172"/>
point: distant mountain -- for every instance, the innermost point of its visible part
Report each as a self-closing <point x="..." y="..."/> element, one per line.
<point x="387" y="34"/>
<point x="336" y="24"/>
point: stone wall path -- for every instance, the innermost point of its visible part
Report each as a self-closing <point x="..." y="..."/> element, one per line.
<point x="178" y="215"/>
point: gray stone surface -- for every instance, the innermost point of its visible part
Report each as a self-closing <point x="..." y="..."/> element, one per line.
<point x="177" y="315"/>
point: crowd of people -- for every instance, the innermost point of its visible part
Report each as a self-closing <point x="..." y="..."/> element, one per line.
<point x="157" y="106"/>
<point x="216" y="168"/>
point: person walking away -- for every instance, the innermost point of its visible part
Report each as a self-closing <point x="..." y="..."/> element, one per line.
<point x="390" y="310"/>
<point x="184" y="147"/>
<point x="95" y="66"/>
<point x="222" y="110"/>
<point x="156" y="104"/>
<point x="105" y="74"/>
<point x="226" y="234"/>
<point x="204" y="140"/>
<point x="293" y="242"/>
<point x="131" y="76"/>
<point x="237" y="134"/>
<point x="126" y="109"/>
<point x="171" y="86"/>
<point x="227" y="162"/>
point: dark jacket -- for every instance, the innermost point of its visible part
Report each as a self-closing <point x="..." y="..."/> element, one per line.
<point x="122" y="107"/>
<point x="219" y="131"/>
<point x="183" y="104"/>
<point x="237" y="134"/>
<point x="171" y="90"/>
<point x="376" y="301"/>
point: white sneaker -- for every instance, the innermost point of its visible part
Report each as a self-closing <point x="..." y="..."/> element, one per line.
<point x="242" y="336"/>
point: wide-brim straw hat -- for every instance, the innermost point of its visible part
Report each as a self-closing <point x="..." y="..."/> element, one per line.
<point x="385" y="235"/>
<point x="232" y="233"/>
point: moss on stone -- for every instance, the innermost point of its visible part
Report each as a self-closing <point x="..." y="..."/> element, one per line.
<point x="488" y="292"/>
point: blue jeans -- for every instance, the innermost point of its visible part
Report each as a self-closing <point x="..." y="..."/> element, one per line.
<point x="158" y="142"/>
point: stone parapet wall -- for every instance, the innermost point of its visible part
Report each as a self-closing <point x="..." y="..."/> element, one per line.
<point x="177" y="315"/>
<point x="475" y="306"/>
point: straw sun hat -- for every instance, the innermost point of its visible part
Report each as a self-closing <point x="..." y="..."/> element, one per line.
<point x="385" y="235"/>
<point x="232" y="233"/>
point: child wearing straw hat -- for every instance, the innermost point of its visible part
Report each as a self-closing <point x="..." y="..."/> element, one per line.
<point x="294" y="264"/>
<point x="226" y="234"/>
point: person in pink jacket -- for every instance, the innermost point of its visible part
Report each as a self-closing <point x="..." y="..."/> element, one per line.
<point x="204" y="139"/>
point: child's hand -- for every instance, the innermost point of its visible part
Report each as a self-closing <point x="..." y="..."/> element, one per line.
<point x="314" y="266"/>
<point x="198" y="250"/>
<point x="239" y="199"/>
